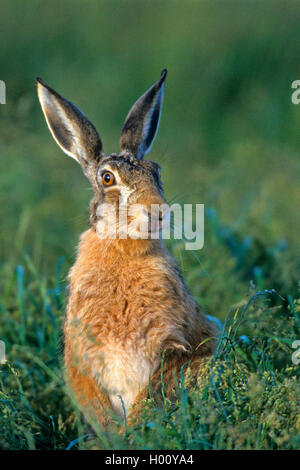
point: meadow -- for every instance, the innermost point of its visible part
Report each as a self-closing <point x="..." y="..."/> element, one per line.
<point x="229" y="138"/>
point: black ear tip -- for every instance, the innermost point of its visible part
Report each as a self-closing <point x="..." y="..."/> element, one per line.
<point x="39" y="81"/>
<point x="163" y="74"/>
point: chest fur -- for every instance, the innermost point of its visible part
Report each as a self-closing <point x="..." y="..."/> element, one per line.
<point x="123" y="373"/>
<point x="121" y="315"/>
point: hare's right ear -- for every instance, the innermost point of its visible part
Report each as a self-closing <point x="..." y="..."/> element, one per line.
<point x="71" y="129"/>
<point x="142" y="121"/>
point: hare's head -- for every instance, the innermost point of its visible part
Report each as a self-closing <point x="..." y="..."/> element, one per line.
<point x="124" y="183"/>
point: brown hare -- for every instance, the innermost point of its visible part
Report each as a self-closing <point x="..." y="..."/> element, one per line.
<point x="128" y="305"/>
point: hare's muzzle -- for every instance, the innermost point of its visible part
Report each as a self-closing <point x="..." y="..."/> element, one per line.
<point x="158" y="216"/>
<point x="155" y="220"/>
<point x="146" y="220"/>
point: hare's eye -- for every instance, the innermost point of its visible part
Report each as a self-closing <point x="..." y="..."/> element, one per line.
<point x="108" y="178"/>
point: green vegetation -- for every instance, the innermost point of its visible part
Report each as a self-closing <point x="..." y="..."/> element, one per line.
<point x="229" y="138"/>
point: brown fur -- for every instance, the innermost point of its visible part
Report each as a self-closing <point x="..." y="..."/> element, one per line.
<point x="128" y="305"/>
<point x="130" y="299"/>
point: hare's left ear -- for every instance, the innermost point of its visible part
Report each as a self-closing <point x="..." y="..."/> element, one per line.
<point x="141" y="123"/>
<point x="70" y="128"/>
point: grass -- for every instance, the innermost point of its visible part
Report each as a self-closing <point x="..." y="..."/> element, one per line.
<point x="229" y="138"/>
<point x="247" y="399"/>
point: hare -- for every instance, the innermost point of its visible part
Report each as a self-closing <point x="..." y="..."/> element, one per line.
<point x="128" y="305"/>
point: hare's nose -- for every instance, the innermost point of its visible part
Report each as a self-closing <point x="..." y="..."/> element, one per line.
<point x="154" y="219"/>
<point x="155" y="216"/>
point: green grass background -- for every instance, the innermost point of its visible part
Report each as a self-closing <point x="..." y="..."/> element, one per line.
<point x="229" y="138"/>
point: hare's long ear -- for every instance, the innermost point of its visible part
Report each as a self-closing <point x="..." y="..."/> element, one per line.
<point x="71" y="129"/>
<point x="142" y="121"/>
